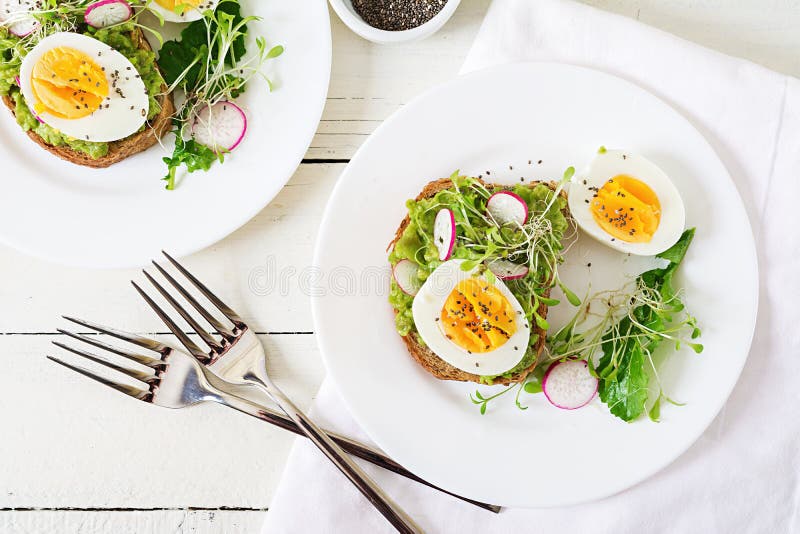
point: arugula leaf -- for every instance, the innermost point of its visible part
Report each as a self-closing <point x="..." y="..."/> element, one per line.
<point x="676" y="252"/>
<point x="190" y="153"/>
<point x="175" y="56"/>
<point x="625" y="392"/>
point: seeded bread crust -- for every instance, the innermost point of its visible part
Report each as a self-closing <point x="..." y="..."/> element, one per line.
<point x="124" y="148"/>
<point x="423" y="355"/>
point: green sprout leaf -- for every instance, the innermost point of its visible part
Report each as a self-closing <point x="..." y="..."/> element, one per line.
<point x="533" y="387"/>
<point x="571" y="297"/>
<point x="274" y="52"/>
<point x="655" y="411"/>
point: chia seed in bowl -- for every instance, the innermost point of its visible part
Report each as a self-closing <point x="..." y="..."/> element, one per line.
<point x="397" y="15"/>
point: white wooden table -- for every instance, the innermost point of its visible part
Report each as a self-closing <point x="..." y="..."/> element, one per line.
<point x="76" y="457"/>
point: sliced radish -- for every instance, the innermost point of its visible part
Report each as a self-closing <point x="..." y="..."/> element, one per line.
<point x="405" y="274"/>
<point x="569" y="385"/>
<point x="444" y="232"/>
<point x="507" y="207"/>
<point x="220" y="127"/>
<point x="107" y="13"/>
<point x="17" y="14"/>
<point x="508" y="270"/>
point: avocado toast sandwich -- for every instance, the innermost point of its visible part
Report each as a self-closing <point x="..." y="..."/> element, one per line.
<point x="130" y="42"/>
<point x="91" y="96"/>
<point x="83" y="82"/>
<point x="473" y="265"/>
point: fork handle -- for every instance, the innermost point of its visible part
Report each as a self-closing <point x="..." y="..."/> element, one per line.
<point x="374" y="494"/>
<point x="352" y="446"/>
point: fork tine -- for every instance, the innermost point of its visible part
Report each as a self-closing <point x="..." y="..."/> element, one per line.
<point x="221" y="306"/>
<point x="190" y="345"/>
<point x="125" y="336"/>
<point x="147" y="378"/>
<point x="206" y="337"/>
<point x="223" y="330"/>
<point x="124" y="388"/>
<point x="138" y="358"/>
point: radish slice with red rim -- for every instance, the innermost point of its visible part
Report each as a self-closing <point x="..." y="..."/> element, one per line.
<point x="405" y="274"/>
<point x="16" y="14"/>
<point x="220" y="127"/>
<point x="105" y="13"/>
<point x="507" y="207"/>
<point x="569" y="385"/>
<point x="507" y="270"/>
<point x="444" y="233"/>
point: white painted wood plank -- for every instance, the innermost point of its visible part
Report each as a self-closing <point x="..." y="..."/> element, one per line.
<point x="68" y="442"/>
<point x="260" y="271"/>
<point x="132" y="522"/>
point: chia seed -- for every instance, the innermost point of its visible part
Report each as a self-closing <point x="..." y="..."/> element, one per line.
<point x="397" y="15"/>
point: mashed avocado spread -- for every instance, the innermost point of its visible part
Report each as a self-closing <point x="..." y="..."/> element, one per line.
<point x="466" y="201"/>
<point x="119" y="38"/>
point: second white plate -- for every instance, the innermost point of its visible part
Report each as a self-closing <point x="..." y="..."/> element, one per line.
<point x="122" y="216"/>
<point x="531" y="121"/>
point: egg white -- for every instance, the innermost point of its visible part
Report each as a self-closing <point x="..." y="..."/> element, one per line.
<point x="427" y="307"/>
<point x="189" y="15"/>
<point x="611" y="163"/>
<point x="121" y="114"/>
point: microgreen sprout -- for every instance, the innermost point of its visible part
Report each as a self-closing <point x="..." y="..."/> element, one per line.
<point x="482" y="401"/>
<point x="531" y="385"/>
<point x="618" y="331"/>
<point x="209" y="65"/>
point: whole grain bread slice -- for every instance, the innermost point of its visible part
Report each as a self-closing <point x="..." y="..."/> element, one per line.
<point x="423" y="355"/>
<point x="124" y="148"/>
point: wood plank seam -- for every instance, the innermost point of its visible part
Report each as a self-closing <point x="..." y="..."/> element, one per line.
<point x="189" y="333"/>
<point x="319" y="161"/>
<point x="153" y="509"/>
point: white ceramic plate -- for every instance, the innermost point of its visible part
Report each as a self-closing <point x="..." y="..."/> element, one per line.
<point x="122" y="216"/>
<point x="494" y="120"/>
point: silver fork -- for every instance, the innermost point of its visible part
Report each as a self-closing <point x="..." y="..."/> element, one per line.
<point x="244" y="348"/>
<point x="177" y="380"/>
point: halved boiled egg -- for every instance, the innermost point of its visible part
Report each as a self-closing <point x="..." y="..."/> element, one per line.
<point x="182" y="10"/>
<point x="83" y="88"/>
<point x="628" y="203"/>
<point x="472" y="324"/>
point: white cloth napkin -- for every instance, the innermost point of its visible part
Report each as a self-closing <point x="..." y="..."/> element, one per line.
<point x="743" y="475"/>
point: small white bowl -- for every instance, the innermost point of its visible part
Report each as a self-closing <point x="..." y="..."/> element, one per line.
<point x="344" y="8"/>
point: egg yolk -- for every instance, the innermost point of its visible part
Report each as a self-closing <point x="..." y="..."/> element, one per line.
<point x="67" y="84"/>
<point x="179" y="6"/>
<point x="627" y="209"/>
<point x="477" y="316"/>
